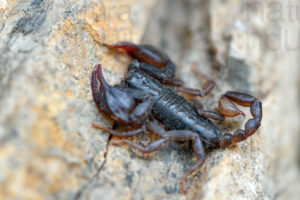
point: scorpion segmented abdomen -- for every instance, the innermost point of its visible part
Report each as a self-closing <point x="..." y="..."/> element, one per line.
<point x="178" y="113"/>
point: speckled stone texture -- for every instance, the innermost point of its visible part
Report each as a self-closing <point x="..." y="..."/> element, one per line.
<point x="48" y="149"/>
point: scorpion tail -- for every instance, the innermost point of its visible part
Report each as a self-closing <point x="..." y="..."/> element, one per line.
<point x="228" y="109"/>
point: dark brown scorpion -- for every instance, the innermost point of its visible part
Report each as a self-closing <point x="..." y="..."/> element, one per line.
<point x="149" y="94"/>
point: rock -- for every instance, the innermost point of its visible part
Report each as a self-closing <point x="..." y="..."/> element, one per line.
<point x="48" y="149"/>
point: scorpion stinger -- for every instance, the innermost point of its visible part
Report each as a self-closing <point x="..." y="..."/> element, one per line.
<point x="228" y="109"/>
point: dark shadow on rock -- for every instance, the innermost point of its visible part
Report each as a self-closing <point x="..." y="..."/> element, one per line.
<point x="238" y="75"/>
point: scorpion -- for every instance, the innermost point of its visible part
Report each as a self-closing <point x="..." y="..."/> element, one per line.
<point x="150" y="98"/>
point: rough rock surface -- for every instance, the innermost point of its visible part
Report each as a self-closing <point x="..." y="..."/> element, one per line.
<point x="48" y="149"/>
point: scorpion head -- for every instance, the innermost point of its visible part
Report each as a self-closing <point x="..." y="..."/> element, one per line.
<point x="138" y="79"/>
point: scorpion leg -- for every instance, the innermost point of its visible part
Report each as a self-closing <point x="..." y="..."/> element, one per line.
<point x="153" y="146"/>
<point x="228" y="109"/>
<point x="183" y="135"/>
<point x="175" y="135"/>
<point x="206" y="88"/>
<point x="205" y="113"/>
<point x="129" y="133"/>
<point x="154" y="61"/>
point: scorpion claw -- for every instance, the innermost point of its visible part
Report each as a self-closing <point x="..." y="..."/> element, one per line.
<point x="143" y="53"/>
<point x="127" y="46"/>
<point x="152" y="60"/>
<point x="109" y="99"/>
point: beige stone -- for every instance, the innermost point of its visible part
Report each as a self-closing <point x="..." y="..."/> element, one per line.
<point x="48" y="149"/>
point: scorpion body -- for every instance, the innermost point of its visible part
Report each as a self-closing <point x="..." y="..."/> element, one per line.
<point x="172" y="109"/>
<point x="150" y="94"/>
